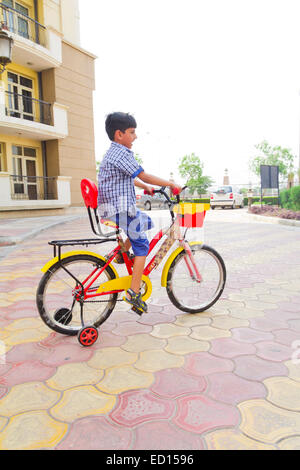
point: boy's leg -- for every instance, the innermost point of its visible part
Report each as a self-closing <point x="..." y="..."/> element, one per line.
<point x="137" y="273"/>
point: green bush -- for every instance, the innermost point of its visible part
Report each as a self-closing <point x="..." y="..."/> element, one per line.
<point x="269" y="200"/>
<point x="290" y="198"/>
<point x="295" y="197"/>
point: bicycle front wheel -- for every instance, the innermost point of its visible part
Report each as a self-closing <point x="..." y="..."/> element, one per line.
<point x="57" y="300"/>
<point x="188" y="294"/>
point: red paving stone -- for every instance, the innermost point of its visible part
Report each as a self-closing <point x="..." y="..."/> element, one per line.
<point x="229" y="388"/>
<point x="140" y="406"/>
<point x="256" y="368"/>
<point x="200" y="414"/>
<point x="204" y="364"/>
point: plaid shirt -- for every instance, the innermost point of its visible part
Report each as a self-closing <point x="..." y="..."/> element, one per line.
<point x="116" y="191"/>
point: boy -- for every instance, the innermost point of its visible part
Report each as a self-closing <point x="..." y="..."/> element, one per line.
<point x="117" y="201"/>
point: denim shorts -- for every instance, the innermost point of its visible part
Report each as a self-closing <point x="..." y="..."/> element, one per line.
<point x="135" y="228"/>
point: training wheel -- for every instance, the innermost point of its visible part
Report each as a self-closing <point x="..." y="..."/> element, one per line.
<point x="87" y="336"/>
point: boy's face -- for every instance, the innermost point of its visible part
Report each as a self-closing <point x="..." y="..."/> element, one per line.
<point x="126" y="138"/>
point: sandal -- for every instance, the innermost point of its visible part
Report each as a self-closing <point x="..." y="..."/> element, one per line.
<point x="120" y="260"/>
<point x="138" y="305"/>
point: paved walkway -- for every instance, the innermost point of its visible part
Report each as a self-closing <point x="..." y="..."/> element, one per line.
<point x="228" y="378"/>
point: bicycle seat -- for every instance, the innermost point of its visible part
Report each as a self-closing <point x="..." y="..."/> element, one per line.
<point x="89" y="193"/>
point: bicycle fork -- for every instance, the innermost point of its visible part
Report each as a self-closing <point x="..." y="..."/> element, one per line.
<point x="190" y="263"/>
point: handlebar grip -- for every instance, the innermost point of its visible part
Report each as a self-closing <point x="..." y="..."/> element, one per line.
<point x="150" y="194"/>
<point x="176" y="192"/>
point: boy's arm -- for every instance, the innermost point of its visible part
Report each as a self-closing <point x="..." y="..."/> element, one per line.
<point x="151" y="179"/>
<point x="144" y="186"/>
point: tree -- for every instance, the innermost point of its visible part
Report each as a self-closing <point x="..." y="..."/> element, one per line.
<point x="138" y="159"/>
<point x="191" y="168"/>
<point x="277" y="155"/>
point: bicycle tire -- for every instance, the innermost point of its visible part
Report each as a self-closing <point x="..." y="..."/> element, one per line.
<point x="53" y="284"/>
<point x="185" y="284"/>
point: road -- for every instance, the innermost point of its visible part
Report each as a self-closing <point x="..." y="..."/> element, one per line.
<point x="228" y="378"/>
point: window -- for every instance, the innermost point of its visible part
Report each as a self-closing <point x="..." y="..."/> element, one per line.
<point x="2" y="157"/>
<point x="20" y="96"/>
<point x="16" y="21"/>
<point x="24" y="171"/>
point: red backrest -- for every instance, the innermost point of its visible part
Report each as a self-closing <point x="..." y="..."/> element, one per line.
<point x="89" y="193"/>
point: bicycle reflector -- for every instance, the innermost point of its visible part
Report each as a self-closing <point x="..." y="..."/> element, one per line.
<point x="191" y="214"/>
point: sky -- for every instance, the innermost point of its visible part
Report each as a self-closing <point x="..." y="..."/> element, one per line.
<point x="210" y="77"/>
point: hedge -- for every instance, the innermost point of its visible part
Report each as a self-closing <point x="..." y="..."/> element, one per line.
<point x="290" y="198"/>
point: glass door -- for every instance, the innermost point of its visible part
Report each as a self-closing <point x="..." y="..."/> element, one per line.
<point x="25" y="179"/>
<point x="20" y="97"/>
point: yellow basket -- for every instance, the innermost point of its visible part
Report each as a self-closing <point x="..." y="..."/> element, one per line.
<point x="191" y="214"/>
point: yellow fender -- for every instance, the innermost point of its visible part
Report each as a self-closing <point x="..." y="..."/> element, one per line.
<point x="170" y="260"/>
<point x="73" y="253"/>
<point x="124" y="283"/>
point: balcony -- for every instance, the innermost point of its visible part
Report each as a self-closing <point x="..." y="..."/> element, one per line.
<point x="32" y="118"/>
<point x="18" y="192"/>
<point x="34" y="44"/>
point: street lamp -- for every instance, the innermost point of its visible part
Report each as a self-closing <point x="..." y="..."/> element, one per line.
<point x="6" y="43"/>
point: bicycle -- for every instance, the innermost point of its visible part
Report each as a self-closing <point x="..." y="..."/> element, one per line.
<point x="79" y="289"/>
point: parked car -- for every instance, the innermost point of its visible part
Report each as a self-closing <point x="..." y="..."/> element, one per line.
<point x="147" y="202"/>
<point x="226" y="196"/>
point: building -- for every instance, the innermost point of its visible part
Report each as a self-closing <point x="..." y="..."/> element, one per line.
<point x="46" y="109"/>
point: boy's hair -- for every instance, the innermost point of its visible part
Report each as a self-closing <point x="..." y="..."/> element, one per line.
<point x="118" y="122"/>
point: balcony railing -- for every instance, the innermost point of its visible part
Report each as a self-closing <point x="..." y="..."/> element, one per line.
<point x="16" y="22"/>
<point x="33" y="188"/>
<point x="26" y="107"/>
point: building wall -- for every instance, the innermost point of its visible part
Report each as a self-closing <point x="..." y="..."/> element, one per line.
<point x="73" y="84"/>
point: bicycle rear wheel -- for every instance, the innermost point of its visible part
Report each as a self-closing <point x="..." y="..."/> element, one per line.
<point x="56" y="295"/>
<point x="185" y="292"/>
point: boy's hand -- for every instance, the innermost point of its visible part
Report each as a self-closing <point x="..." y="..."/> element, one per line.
<point x="149" y="190"/>
<point x="175" y="188"/>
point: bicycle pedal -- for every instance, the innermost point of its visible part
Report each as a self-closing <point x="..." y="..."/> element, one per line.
<point x="136" y="310"/>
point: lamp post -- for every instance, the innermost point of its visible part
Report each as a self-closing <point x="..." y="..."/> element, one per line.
<point x="6" y="43"/>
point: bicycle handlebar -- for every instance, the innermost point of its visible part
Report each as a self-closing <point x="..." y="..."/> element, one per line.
<point x="167" y="197"/>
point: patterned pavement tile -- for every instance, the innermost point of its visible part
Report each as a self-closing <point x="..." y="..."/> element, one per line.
<point x="286" y="337"/>
<point x="27" y="397"/>
<point x="138" y="407"/>
<point x="266" y="324"/>
<point x="81" y="402"/>
<point x="153" y="361"/>
<point x="111" y="357"/>
<point x="230" y="348"/>
<point x="267" y="423"/>
<point x="96" y="433"/>
<point x="228" y="323"/>
<point x="283" y="392"/>
<point x="292" y="443"/>
<point x="66" y="353"/>
<point x="121" y="379"/>
<point x="73" y="375"/>
<point x="142" y="342"/>
<point x="166" y="330"/>
<point x="293" y="369"/>
<point x="162" y="435"/>
<point x="32" y="431"/>
<point x="200" y="414"/>
<point x="183" y="345"/>
<point x="207" y="333"/>
<point x="27" y="371"/>
<point x="247" y="335"/>
<point x="192" y="320"/>
<point x="130" y="328"/>
<point x="228" y="388"/>
<point x="254" y="368"/>
<point x="203" y="364"/>
<point x="272" y="351"/>
<point x="231" y="439"/>
<point x="171" y="383"/>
